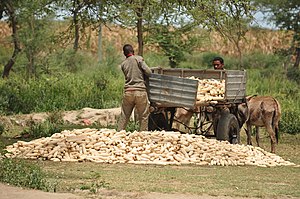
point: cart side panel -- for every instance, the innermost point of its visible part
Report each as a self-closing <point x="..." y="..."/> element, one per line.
<point x="199" y="73"/>
<point x="235" y="80"/>
<point x="172" y="91"/>
<point x="235" y="85"/>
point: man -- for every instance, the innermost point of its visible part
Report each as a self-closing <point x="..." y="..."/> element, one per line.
<point x="218" y="63"/>
<point x="135" y="93"/>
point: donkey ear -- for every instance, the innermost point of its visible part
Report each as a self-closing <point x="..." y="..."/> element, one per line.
<point x="250" y="97"/>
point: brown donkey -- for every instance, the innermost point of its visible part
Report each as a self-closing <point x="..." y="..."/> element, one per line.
<point x="263" y="111"/>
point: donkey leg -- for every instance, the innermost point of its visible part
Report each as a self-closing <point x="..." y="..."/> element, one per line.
<point x="248" y="131"/>
<point x="272" y="136"/>
<point x="257" y="135"/>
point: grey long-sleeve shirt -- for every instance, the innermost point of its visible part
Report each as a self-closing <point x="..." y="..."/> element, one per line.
<point x="134" y="68"/>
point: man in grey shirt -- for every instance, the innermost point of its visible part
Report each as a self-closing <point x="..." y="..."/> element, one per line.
<point x="135" y="92"/>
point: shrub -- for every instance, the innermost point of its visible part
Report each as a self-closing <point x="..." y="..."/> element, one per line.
<point x="21" y="173"/>
<point x="294" y="74"/>
<point x="260" y="60"/>
<point x="2" y="127"/>
<point x="70" y="92"/>
<point x="42" y="129"/>
<point x="289" y="122"/>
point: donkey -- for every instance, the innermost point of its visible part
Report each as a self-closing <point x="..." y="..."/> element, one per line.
<point x="182" y="116"/>
<point x="263" y="111"/>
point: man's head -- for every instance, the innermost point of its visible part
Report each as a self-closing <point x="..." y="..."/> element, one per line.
<point x="128" y="50"/>
<point x="218" y="63"/>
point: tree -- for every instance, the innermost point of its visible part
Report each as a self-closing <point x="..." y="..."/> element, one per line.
<point x="81" y="14"/>
<point x="26" y="18"/>
<point x="169" y="22"/>
<point x="7" y="8"/>
<point x="131" y="13"/>
<point x="229" y="18"/>
<point x="286" y="15"/>
<point x="174" y="32"/>
<point x="35" y="20"/>
<point x="157" y="22"/>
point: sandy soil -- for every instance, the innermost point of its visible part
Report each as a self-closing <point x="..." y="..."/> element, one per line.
<point x="85" y="116"/>
<point x="11" y="192"/>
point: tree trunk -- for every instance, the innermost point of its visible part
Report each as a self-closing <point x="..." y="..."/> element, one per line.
<point x="239" y="53"/>
<point x="296" y="65"/>
<point x="76" y="25"/>
<point x="100" y="36"/>
<point x="140" y="30"/>
<point x="30" y="65"/>
<point x="100" y="43"/>
<point x="13" y="20"/>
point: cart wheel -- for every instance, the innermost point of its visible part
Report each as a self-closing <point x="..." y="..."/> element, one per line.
<point x="228" y="128"/>
<point x="215" y="125"/>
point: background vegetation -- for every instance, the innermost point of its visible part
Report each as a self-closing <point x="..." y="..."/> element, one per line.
<point x="58" y="55"/>
<point x="100" y="85"/>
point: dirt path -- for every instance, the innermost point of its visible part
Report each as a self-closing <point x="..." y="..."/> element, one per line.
<point x="11" y="192"/>
<point x="85" y="116"/>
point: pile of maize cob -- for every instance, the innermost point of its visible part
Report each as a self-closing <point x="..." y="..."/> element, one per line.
<point x="157" y="147"/>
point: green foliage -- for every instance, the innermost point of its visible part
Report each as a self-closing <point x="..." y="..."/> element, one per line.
<point x="175" y="41"/>
<point x="53" y="124"/>
<point x="4" y="55"/>
<point x="282" y="12"/>
<point x="66" y="92"/>
<point x="35" y="34"/>
<point x="2" y="128"/>
<point x="132" y="126"/>
<point x="21" y="173"/>
<point x="95" y="186"/>
<point x="156" y="59"/>
<point x="171" y="43"/>
<point x="262" y="61"/>
<point x="67" y="60"/>
<point x="294" y="74"/>
<point x="290" y="121"/>
<point x="249" y="61"/>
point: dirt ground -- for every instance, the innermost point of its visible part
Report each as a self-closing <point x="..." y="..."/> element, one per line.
<point x="85" y="116"/>
<point x="11" y="192"/>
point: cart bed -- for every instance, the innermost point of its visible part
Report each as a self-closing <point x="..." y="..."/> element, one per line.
<point x="172" y="88"/>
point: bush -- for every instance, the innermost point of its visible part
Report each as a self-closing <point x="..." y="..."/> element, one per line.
<point x="43" y="129"/>
<point x="289" y="122"/>
<point x="21" y="173"/>
<point x="70" y="92"/>
<point x="294" y="74"/>
<point x="259" y="60"/>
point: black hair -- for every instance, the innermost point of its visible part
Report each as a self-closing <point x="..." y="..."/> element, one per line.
<point x="219" y="59"/>
<point x="128" y="49"/>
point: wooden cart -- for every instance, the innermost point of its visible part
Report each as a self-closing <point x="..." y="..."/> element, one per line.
<point x="170" y="89"/>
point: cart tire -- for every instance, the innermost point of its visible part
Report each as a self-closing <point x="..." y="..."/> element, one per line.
<point x="215" y="125"/>
<point x="228" y="128"/>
